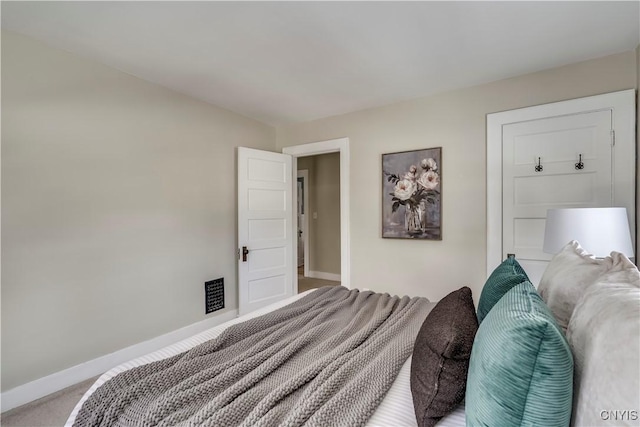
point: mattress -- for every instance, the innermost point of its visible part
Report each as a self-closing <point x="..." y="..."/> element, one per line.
<point x="396" y="408"/>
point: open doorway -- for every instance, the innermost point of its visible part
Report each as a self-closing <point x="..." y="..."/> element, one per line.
<point x="340" y="146"/>
<point x="318" y="209"/>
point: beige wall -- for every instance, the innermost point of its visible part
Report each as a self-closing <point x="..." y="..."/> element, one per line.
<point x="327" y="196"/>
<point x="324" y="199"/>
<point x="118" y="203"/>
<point x="454" y="121"/>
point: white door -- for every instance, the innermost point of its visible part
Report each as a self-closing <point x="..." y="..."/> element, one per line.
<point x="557" y="162"/>
<point x="301" y="233"/>
<point x="265" y="222"/>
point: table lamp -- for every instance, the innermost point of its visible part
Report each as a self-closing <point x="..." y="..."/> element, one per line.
<point x="598" y="230"/>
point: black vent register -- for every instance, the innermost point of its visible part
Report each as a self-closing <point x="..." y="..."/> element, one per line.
<point x="214" y="295"/>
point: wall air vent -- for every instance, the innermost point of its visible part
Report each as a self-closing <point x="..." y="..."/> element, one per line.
<point x="214" y="295"/>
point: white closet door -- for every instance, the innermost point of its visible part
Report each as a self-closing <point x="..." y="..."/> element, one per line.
<point x="554" y="144"/>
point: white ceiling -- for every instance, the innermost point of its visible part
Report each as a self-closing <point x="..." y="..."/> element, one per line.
<point x="284" y="62"/>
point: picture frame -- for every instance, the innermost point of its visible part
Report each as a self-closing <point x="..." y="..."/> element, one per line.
<point x="412" y="194"/>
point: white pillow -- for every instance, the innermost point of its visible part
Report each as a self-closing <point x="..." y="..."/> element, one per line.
<point x="604" y="335"/>
<point x="567" y="277"/>
<point x="621" y="271"/>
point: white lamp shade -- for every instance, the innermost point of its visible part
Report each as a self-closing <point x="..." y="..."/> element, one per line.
<point x="598" y="230"/>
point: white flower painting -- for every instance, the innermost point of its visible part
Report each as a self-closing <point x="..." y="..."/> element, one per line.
<point x="411" y="194"/>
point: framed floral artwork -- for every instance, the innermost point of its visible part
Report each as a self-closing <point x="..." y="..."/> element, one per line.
<point x="412" y="194"/>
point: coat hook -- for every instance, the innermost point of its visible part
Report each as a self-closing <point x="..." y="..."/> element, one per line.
<point x="539" y="166"/>
<point x="580" y="165"/>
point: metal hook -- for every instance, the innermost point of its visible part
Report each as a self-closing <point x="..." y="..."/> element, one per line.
<point x="580" y="165"/>
<point x="539" y="166"/>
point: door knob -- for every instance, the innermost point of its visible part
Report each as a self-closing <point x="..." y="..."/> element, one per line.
<point x="245" y="252"/>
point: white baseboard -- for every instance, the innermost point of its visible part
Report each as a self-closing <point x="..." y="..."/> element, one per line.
<point x="324" y="276"/>
<point x="51" y="383"/>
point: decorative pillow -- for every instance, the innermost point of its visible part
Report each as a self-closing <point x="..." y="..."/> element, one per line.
<point x="571" y="272"/>
<point x="521" y="367"/>
<point x="621" y="271"/>
<point x="441" y="357"/>
<point x="604" y="335"/>
<point x="502" y="279"/>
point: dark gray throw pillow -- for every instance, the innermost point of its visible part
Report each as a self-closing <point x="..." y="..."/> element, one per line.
<point x="441" y="357"/>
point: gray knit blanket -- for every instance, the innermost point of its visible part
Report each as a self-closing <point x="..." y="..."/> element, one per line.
<point x="327" y="359"/>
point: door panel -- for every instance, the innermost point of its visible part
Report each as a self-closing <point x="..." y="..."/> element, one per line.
<point x="264" y="259"/>
<point x="266" y="289"/>
<point x="555" y="144"/>
<point x="266" y="229"/>
<point x="265" y="218"/>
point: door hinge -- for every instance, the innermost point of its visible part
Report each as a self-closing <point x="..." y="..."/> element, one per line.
<point x="613" y="138"/>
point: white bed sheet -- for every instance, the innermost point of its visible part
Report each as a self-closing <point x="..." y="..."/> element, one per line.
<point x="396" y="408"/>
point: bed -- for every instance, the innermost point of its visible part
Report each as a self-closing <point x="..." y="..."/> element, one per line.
<point x="615" y="394"/>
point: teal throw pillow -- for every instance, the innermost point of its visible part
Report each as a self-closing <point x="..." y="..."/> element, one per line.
<point x="502" y="279"/>
<point x="521" y="367"/>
